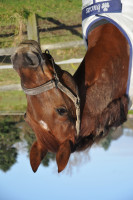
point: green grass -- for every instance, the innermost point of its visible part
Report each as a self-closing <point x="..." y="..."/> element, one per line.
<point x="12" y="101"/>
<point x="50" y="14"/>
<point x="64" y="54"/>
<point x="51" y="38"/>
<point x="130" y="112"/>
<point x="8" y="76"/>
<point x="59" y="9"/>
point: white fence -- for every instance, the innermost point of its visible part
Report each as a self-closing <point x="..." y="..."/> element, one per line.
<point x="73" y="60"/>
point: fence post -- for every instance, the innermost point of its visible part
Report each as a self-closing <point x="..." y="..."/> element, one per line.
<point x="32" y="29"/>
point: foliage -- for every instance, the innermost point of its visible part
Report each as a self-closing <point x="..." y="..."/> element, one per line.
<point x="8" y="132"/>
<point x="29" y="136"/>
<point x="48" y="157"/>
<point x="8" y="157"/>
<point x="9" y="135"/>
<point x="106" y="142"/>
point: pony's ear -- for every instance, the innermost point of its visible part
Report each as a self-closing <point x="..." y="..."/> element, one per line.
<point x="63" y="155"/>
<point x="37" y="153"/>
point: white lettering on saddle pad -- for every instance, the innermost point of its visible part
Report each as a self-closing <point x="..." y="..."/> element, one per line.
<point x="94" y="7"/>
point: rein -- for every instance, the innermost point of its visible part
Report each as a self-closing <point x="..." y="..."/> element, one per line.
<point x="55" y="83"/>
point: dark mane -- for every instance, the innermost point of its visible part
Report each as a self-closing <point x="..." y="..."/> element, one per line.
<point x="112" y="116"/>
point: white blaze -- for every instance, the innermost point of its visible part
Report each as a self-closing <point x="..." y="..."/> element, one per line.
<point x="44" y="125"/>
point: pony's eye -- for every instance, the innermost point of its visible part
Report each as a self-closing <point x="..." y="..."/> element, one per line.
<point x="61" y="111"/>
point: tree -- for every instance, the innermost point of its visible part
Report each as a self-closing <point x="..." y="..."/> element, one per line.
<point x="9" y="135"/>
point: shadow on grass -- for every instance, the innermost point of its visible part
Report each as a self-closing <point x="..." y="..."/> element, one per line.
<point x="59" y="26"/>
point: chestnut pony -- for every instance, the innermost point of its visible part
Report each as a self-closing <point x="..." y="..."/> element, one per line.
<point x="101" y="81"/>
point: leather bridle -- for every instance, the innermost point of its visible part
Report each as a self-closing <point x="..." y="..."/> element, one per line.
<point x="55" y="83"/>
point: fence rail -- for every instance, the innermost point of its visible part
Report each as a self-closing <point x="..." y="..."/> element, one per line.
<point x="13" y="113"/>
<point x="61" y="45"/>
<point x="73" y="60"/>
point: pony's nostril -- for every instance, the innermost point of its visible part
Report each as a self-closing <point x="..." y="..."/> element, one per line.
<point x="31" y="59"/>
<point x="38" y="56"/>
<point x="28" y="59"/>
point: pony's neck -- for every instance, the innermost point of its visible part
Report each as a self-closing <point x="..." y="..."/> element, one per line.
<point x="80" y="74"/>
<point x="98" y="78"/>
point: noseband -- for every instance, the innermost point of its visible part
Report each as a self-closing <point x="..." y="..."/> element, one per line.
<point x="55" y="83"/>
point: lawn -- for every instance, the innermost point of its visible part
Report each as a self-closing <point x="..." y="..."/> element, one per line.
<point x="12" y="101"/>
<point x="60" y="9"/>
<point x="58" y="20"/>
<point x="131" y="112"/>
<point x="8" y="76"/>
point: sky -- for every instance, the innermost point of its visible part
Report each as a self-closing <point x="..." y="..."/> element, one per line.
<point x="99" y="174"/>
